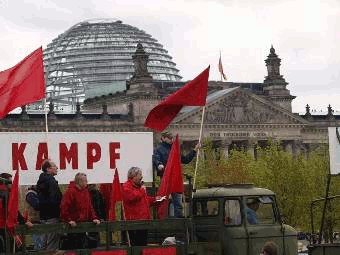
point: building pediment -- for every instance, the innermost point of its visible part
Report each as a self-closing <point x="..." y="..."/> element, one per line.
<point x="237" y="106"/>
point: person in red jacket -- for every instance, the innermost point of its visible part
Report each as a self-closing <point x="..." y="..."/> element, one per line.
<point x="137" y="204"/>
<point x="76" y="206"/>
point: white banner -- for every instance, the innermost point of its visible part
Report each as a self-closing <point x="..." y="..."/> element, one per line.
<point x="334" y="149"/>
<point x="96" y="154"/>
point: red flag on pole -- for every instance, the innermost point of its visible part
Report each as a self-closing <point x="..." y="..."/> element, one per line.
<point x="220" y="69"/>
<point x="172" y="181"/>
<point x="194" y="93"/>
<point x="22" y="84"/>
<point x="13" y="205"/>
<point x="116" y="195"/>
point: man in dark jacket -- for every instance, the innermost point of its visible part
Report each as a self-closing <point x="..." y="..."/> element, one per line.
<point x="98" y="202"/>
<point x="160" y="159"/>
<point x="99" y="207"/>
<point x="50" y="199"/>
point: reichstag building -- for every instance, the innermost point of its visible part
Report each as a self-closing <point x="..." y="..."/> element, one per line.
<point x="105" y="76"/>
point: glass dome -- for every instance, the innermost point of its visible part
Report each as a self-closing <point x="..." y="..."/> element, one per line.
<point x="97" y="54"/>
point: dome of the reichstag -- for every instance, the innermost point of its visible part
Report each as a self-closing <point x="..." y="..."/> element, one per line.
<point x="94" y="58"/>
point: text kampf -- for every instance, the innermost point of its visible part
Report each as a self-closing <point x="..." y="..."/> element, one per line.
<point x="95" y="154"/>
<point x="66" y="155"/>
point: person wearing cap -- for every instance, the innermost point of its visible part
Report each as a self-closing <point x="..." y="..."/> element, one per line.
<point x="160" y="159"/>
<point x="252" y="206"/>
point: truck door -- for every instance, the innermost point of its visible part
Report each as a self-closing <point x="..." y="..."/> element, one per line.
<point x="207" y="225"/>
<point x="234" y="236"/>
<point x="206" y="217"/>
<point x="262" y="223"/>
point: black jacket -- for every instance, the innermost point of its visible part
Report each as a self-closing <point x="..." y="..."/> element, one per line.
<point x="161" y="156"/>
<point x="98" y="204"/>
<point x="49" y="196"/>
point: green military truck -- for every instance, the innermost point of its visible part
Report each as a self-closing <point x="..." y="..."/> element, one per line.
<point x="220" y="216"/>
<point x="219" y="223"/>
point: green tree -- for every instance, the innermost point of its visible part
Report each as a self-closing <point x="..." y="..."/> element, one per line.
<point x="296" y="180"/>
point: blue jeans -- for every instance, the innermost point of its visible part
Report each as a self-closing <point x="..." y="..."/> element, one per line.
<point x="178" y="205"/>
<point x="38" y="241"/>
<point x="51" y="240"/>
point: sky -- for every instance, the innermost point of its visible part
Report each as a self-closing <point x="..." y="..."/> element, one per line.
<point x="304" y="33"/>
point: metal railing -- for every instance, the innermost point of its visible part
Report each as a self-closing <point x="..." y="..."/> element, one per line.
<point x="154" y="227"/>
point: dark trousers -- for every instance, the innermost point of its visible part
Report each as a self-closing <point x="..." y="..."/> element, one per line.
<point x="74" y="241"/>
<point x="2" y="240"/>
<point x="138" y="237"/>
<point x="93" y="240"/>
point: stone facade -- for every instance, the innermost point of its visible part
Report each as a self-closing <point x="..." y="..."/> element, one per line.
<point x="241" y="114"/>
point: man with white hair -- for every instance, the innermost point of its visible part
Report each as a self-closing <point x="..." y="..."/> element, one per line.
<point x="136" y="204"/>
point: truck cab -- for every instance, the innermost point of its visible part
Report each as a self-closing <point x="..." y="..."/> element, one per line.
<point x="239" y="219"/>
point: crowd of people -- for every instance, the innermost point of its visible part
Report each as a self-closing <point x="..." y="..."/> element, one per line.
<point x="80" y="203"/>
<point x="45" y="203"/>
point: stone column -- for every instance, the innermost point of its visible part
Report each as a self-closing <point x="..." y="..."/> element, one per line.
<point x="296" y="147"/>
<point x="304" y="148"/>
<point x="225" y="148"/>
<point x="251" y="147"/>
<point x="289" y="146"/>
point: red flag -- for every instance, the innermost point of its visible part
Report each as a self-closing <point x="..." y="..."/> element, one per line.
<point x="172" y="181"/>
<point x="220" y="69"/>
<point x="116" y="195"/>
<point x="23" y="83"/>
<point x="13" y="205"/>
<point x="194" y="93"/>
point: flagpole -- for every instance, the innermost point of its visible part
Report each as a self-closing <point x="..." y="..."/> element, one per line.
<point x="185" y="216"/>
<point x="127" y="232"/>
<point x="184" y="205"/>
<point x="198" y="151"/>
<point x="45" y="109"/>
<point x="46" y="124"/>
<point x="221" y="65"/>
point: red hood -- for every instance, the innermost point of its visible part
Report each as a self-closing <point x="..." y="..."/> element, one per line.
<point x="76" y="204"/>
<point x="75" y="187"/>
<point x="133" y="183"/>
